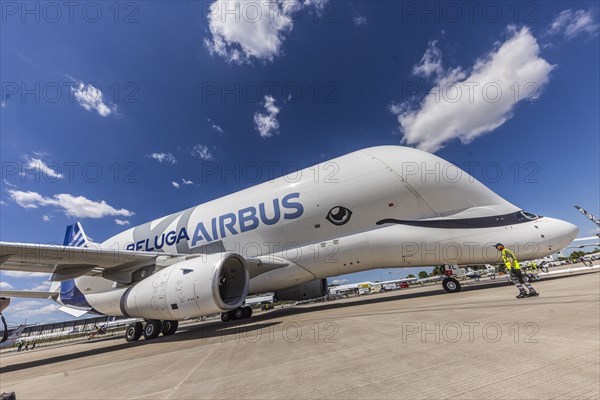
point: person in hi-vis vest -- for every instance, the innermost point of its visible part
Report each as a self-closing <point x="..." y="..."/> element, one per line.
<point x="517" y="276"/>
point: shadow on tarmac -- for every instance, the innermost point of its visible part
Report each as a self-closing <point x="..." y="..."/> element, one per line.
<point x="261" y="321"/>
<point x="192" y="332"/>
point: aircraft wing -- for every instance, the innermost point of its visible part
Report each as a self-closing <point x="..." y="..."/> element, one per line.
<point x="28" y="294"/>
<point x="586" y="238"/>
<point x="67" y="262"/>
<point x="581" y="246"/>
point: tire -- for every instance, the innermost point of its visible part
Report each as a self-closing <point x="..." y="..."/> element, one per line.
<point x="134" y="332"/>
<point x="152" y="329"/>
<point x="225" y="316"/>
<point x="247" y="311"/>
<point x="169" y="327"/>
<point x="451" y="285"/>
<point x="238" y="313"/>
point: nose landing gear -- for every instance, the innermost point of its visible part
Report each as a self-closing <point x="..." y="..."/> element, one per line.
<point x="451" y="285"/>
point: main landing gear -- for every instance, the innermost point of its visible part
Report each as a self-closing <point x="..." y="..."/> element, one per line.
<point x="451" y="285"/>
<point x="238" y="313"/>
<point x="150" y="329"/>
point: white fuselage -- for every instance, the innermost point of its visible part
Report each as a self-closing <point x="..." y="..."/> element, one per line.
<point x="380" y="207"/>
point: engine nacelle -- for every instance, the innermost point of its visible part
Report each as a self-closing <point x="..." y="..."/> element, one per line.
<point x="205" y="285"/>
<point x="306" y="291"/>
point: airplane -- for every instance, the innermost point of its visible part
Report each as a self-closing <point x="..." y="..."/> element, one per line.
<point x="9" y="340"/>
<point x="590" y="217"/>
<point x="595" y="221"/>
<point x="379" y="207"/>
<point x="110" y="323"/>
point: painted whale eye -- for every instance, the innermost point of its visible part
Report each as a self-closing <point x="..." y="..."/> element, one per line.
<point x="339" y="215"/>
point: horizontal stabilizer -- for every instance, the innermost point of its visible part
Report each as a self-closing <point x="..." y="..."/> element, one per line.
<point x="72" y="311"/>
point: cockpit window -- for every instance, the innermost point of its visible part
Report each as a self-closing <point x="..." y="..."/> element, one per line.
<point x="529" y="216"/>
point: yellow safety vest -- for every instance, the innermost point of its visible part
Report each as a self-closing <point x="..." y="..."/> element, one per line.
<point x="505" y="257"/>
<point x="534" y="266"/>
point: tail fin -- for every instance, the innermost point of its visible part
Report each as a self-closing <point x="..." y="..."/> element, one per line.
<point x="75" y="236"/>
<point x="587" y="214"/>
<point x="69" y="295"/>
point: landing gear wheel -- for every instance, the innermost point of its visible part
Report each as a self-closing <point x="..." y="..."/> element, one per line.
<point x="134" y="331"/>
<point x="225" y="316"/>
<point x="152" y="329"/>
<point x="238" y="313"/>
<point x="169" y="327"/>
<point x="247" y="312"/>
<point x="451" y="285"/>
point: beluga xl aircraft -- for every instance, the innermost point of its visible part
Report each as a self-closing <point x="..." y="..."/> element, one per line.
<point x="379" y="207"/>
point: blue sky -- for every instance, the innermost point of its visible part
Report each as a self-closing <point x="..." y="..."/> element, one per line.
<point x="117" y="115"/>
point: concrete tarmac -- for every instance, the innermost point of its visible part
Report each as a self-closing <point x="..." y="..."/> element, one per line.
<point x="421" y="344"/>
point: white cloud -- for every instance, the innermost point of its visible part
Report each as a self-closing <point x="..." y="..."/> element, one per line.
<point x="468" y="104"/>
<point x="175" y="185"/>
<point x="339" y="281"/>
<point x="121" y="222"/>
<point x="241" y="31"/>
<point x="6" y="286"/>
<point x="186" y="182"/>
<point x="36" y="164"/>
<point x="431" y="62"/>
<point x="267" y="124"/>
<point x="3" y="203"/>
<point x="32" y="308"/>
<point x="72" y="206"/>
<point x="41" y="287"/>
<point x="46" y="218"/>
<point x="215" y="126"/>
<point x="7" y="183"/>
<point x="160" y="157"/>
<point x="201" y="151"/>
<point x="571" y="24"/>
<point x="91" y="98"/>
<point x="359" y="20"/>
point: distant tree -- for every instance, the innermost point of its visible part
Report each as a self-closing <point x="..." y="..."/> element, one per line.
<point x="423" y="275"/>
<point x="410" y="276"/>
<point x="576" y="254"/>
<point x="436" y="271"/>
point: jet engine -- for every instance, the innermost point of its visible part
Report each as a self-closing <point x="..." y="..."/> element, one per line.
<point x="306" y="291"/>
<point x="200" y="286"/>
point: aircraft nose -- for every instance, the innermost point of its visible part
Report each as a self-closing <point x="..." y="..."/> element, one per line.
<point x="563" y="233"/>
